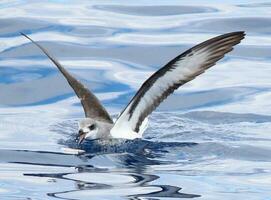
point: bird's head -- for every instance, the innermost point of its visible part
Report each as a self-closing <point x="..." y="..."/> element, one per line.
<point x="88" y="129"/>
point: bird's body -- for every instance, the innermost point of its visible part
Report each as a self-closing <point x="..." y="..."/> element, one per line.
<point x="97" y="129"/>
<point x="132" y="122"/>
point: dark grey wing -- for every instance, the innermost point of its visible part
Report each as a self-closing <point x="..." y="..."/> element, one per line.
<point x="92" y="106"/>
<point x="177" y="72"/>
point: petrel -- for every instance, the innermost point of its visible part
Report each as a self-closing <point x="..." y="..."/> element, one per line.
<point x="132" y="121"/>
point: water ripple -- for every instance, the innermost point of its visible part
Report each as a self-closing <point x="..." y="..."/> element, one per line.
<point x="209" y="140"/>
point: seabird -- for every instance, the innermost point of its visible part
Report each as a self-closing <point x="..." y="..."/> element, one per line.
<point x="132" y="122"/>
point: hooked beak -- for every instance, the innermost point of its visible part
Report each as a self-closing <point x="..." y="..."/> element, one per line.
<point x="81" y="136"/>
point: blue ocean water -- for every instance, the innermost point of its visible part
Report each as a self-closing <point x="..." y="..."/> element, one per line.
<point x="210" y="140"/>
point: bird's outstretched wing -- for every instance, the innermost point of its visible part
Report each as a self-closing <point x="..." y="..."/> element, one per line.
<point x="92" y="106"/>
<point x="162" y="83"/>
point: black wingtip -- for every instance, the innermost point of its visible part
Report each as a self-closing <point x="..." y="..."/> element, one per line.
<point x="23" y="34"/>
<point x="238" y="32"/>
<point x="241" y="33"/>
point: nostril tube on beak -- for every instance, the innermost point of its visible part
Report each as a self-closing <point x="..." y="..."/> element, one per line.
<point x="80" y="132"/>
<point x="81" y="136"/>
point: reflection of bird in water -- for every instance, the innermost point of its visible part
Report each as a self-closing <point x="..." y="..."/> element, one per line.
<point x="140" y="182"/>
<point x="132" y="122"/>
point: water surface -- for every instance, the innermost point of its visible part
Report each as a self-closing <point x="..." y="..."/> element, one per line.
<point x="210" y="140"/>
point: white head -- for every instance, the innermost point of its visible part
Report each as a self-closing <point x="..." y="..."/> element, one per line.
<point x="88" y="128"/>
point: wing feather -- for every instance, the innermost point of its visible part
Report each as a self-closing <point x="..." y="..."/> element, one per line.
<point x="175" y="73"/>
<point x="92" y="106"/>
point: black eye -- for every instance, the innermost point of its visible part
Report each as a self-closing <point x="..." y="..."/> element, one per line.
<point x="91" y="127"/>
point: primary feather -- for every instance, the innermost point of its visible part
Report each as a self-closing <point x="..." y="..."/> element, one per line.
<point x="92" y="106"/>
<point x="175" y="73"/>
